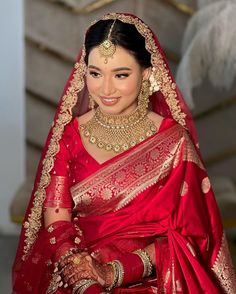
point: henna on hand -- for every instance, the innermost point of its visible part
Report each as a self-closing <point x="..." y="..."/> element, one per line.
<point x="85" y="268"/>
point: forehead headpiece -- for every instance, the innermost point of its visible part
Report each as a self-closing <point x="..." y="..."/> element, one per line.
<point x="107" y="48"/>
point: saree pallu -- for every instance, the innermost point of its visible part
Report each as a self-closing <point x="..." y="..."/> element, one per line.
<point x="157" y="192"/>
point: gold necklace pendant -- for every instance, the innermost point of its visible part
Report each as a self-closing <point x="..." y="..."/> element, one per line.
<point x="118" y="132"/>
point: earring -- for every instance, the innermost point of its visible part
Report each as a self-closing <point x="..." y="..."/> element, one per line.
<point x="91" y="102"/>
<point x="154" y="85"/>
<point x="143" y="96"/>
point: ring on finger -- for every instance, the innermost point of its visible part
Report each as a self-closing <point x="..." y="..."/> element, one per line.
<point x="76" y="260"/>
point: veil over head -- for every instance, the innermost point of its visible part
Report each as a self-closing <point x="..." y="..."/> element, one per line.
<point x="167" y="101"/>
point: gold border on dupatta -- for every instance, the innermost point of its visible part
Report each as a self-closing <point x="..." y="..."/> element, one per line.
<point x="223" y="268"/>
<point x="167" y="87"/>
<point x="33" y="224"/>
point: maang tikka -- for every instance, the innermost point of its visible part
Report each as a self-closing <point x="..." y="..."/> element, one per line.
<point x="107" y="48"/>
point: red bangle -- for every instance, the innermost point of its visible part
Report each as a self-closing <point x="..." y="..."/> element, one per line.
<point x="94" y="289"/>
<point x="133" y="267"/>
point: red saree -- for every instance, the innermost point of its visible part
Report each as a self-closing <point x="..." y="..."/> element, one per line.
<point x="156" y="192"/>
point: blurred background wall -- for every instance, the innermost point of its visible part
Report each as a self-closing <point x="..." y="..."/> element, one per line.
<point x="12" y="108"/>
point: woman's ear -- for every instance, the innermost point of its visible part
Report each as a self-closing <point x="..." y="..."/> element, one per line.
<point x="146" y="73"/>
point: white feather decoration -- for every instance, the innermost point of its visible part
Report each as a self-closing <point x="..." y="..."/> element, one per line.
<point x="203" y="3"/>
<point x="209" y="49"/>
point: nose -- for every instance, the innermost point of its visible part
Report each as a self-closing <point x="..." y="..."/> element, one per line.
<point x="107" y="86"/>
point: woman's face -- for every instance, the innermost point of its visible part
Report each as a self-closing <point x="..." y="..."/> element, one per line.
<point x="115" y="85"/>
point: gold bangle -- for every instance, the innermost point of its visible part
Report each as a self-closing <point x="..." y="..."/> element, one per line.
<point x="121" y="273"/>
<point x="146" y="262"/>
<point x="82" y="285"/>
<point x="116" y="275"/>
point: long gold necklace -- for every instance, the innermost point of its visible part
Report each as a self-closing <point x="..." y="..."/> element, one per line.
<point x="118" y="132"/>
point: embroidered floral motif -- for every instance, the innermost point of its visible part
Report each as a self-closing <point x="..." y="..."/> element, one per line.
<point x="50" y="229"/>
<point x="206" y="185"/>
<point x="154" y="154"/>
<point x="223" y="268"/>
<point x="77" y="240"/>
<point x="139" y="169"/>
<point x="53" y="240"/>
<point x="106" y="193"/>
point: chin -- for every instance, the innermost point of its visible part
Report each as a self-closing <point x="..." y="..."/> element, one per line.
<point x="115" y="109"/>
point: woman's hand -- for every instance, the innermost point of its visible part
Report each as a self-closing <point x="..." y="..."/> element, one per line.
<point x="82" y="266"/>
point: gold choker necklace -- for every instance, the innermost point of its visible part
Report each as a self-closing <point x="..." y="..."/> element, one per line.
<point x="118" y="132"/>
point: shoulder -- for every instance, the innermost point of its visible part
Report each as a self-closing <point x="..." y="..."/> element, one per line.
<point x="162" y="123"/>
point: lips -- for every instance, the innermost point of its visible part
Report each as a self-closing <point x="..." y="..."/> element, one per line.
<point x="109" y="100"/>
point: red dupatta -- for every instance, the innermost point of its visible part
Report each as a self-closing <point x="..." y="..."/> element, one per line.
<point x="169" y="103"/>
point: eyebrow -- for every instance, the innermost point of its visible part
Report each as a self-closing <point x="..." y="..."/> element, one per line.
<point x="114" y="70"/>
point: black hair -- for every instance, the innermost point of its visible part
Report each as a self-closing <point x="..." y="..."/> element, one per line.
<point x="122" y="34"/>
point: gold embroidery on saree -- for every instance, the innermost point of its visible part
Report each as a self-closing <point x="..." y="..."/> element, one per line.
<point x="190" y="153"/>
<point x="58" y="194"/>
<point x="54" y="284"/>
<point x="115" y="185"/>
<point x="223" y="268"/>
<point x="128" y="176"/>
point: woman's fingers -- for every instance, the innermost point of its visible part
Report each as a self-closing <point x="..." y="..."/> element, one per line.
<point x="71" y="271"/>
<point x="74" y="268"/>
<point x="70" y="258"/>
<point x="80" y="276"/>
<point x="81" y="266"/>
